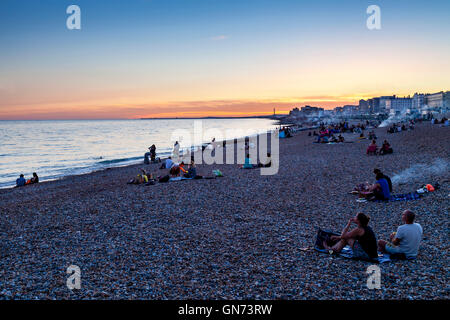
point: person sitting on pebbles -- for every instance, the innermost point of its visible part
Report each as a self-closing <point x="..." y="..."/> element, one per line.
<point x="377" y="191"/>
<point x="406" y="240"/>
<point x="167" y="164"/>
<point x="361" y="239"/>
<point x="372" y="148"/>
<point x="140" y="178"/>
<point x="386" y="148"/>
<point x="20" y="182"/>
<point x="192" y="171"/>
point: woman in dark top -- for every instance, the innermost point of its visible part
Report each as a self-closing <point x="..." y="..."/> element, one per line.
<point x="362" y="239"/>
<point x="153" y="153"/>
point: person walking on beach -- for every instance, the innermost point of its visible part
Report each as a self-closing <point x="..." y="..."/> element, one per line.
<point x="176" y="151"/>
<point x="407" y="238"/>
<point x="362" y="238"/>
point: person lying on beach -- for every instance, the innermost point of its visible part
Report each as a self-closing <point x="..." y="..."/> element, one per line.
<point x="361" y="239"/>
<point x="376" y="171"/>
<point x="379" y="190"/>
<point x="386" y="148"/>
<point x="34" y="179"/>
<point x="407" y="238"/>
<point x="167" y="164"/>
<point x="20" y="182"/>
<point x="372" y="148"/>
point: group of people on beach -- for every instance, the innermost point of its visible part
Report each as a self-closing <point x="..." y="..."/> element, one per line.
<point x="404" y="243"/>
<point x="327" y="133"/>
<point x="248" y="164"/>
<point x="443" y="122"/>
<point x="21" y="181"/>
<point x="399" y="127"/>
<point x="285" y="132"/>
<point x="177" y="171"/>
<point x="372" y="149"/>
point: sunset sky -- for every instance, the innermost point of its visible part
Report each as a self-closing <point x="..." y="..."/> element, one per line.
<point x="186" y="58"/>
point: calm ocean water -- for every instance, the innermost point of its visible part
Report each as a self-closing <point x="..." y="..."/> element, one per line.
<point x="58" y="148"/>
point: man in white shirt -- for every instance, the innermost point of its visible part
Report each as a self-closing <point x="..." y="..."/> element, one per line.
<point x="407" y="238"/>
<point x="168" y="164"/>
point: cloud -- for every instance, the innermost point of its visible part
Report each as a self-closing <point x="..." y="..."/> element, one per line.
<point x="220" y="37"/>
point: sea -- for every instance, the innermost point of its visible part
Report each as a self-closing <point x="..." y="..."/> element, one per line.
<point x="58" y="148"/>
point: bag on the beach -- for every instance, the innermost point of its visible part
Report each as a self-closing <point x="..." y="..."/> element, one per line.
<point x="217" y="173"/>
<point x="324" y="235"/>
<point x="164" y="179"/>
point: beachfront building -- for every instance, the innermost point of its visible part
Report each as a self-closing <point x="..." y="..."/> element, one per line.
<point x="385" y="103"/>
<point x="364" y="107"/>
<point x="338" y="111"/>
<point x="401" y="104"/>
<point x="374" y="105"/>
<point x="418" y="101"/>
<point x="312" y="111"/>
<point x="438" y="100"/>
<point x="350" y="109"/>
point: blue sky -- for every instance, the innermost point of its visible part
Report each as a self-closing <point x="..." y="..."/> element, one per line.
<point x="155" y="54"/>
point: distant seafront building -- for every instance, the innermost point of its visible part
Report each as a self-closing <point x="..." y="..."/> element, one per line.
<point x="350" y="109"/>
<point x="401" y="104"/>
<point x="439" y="100"/>
<point x="364" y="107"/>
<point x="419" y="103"/>
<point x="306" y="111"/>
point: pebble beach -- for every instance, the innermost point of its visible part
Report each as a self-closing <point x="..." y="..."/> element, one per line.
<point x="242" y="236"/>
